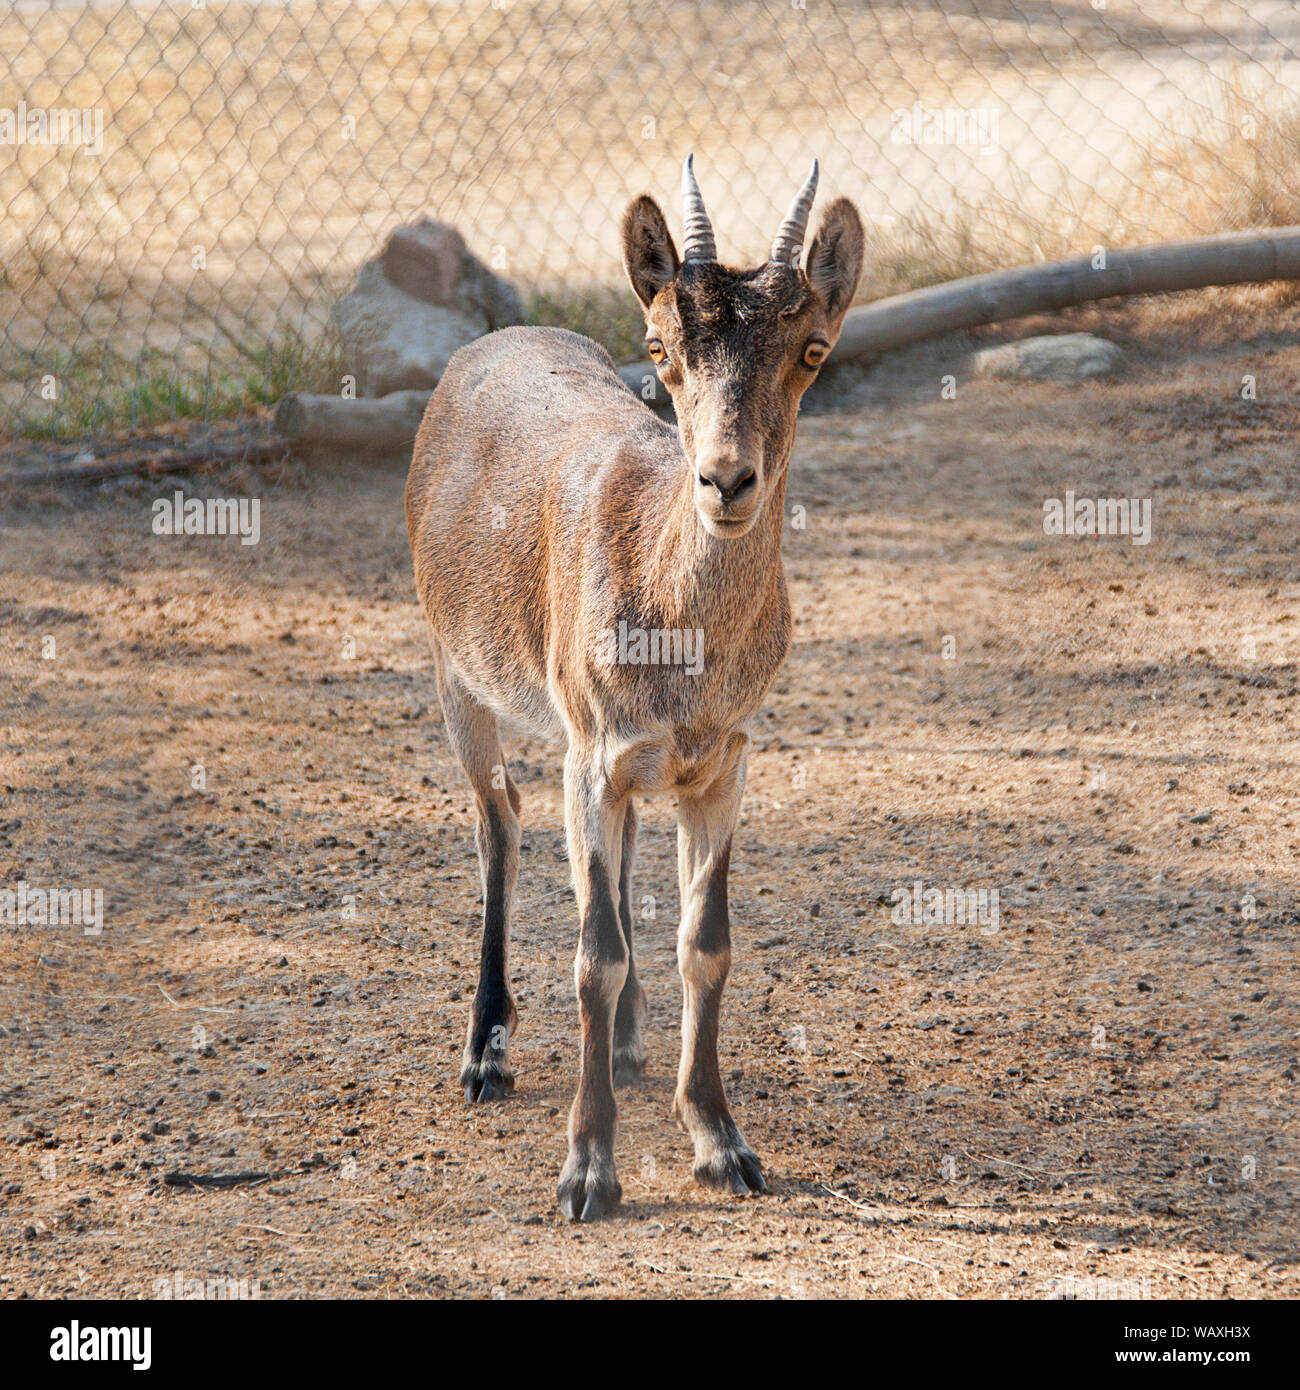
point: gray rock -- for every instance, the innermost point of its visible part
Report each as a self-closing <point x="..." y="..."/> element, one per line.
<point x="423" y="298"/>
<point x="430" y="261"/>
<point x="1056" y="357"/>
<point x="424" y="259"/>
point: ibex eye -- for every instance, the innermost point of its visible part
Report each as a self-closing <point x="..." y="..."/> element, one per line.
<point x="816" y="353"/>
<point x="656" y="350"/>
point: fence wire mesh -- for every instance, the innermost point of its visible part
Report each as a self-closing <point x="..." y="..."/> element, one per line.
<point x="187" y="187"/>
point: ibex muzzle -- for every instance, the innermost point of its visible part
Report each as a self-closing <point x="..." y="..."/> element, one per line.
<point x="550" y="517"/>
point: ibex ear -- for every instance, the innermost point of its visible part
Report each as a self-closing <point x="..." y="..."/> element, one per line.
<point x="649" y="256"/>
<point x="834" y="263"/>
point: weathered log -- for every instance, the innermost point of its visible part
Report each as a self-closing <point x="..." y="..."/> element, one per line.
<point x="181" y="460"/>
<point x="371" y="422"/>
<point x="392" y="421"/>
<point x="642" y="380"/>
<point x="1237" y="258"/>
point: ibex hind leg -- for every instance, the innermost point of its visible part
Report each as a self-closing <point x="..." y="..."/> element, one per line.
<point x="629" y="1049"/>
<point x="485" y="1072"/>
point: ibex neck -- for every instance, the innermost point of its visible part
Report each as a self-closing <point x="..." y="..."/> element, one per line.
<point x="709" y="580"/>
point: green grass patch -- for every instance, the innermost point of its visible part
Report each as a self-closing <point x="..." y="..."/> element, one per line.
<point x="99" y="394"/>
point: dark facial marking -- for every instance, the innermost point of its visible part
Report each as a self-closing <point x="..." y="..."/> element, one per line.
<point x="735" y="316"/>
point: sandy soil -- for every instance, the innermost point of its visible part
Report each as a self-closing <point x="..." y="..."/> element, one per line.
<point x="1096" y="1098"/>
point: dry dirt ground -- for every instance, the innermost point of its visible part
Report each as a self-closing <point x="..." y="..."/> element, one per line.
<point x="1095" y="1098"/>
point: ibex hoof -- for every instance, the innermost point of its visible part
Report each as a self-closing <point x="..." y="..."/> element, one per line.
<point x="489" y="1078"/>
<point x="629" y="1066"/>
<point x="736" y="1170"/>
<point x="589" y="1188"/>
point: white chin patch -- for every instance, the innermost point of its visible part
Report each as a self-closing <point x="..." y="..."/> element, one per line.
<point x="726" y="530"/>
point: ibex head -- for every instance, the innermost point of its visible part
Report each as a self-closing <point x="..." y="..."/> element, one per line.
<point x="738" y="348"/>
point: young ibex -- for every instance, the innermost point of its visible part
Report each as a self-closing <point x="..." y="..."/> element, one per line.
<point x="549" y="510"/>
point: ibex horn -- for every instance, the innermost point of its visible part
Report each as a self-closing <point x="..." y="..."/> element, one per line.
<point x="698" y="229"/>
<point x="788" y="246"/>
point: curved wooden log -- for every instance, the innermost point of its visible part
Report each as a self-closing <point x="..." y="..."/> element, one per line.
<point x="1236" y="258"/>
<point x="642" y="380"/>
<point x="368" y="422"/>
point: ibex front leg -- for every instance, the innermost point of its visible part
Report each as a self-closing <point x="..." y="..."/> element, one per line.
<point x="594" y="817"/>
<point x="704" y="829"/>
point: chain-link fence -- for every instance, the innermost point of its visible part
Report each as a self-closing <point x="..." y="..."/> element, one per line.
<point x="188" y="186"/>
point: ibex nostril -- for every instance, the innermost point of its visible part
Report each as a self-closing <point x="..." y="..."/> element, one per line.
<point x="739" y="486"/>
